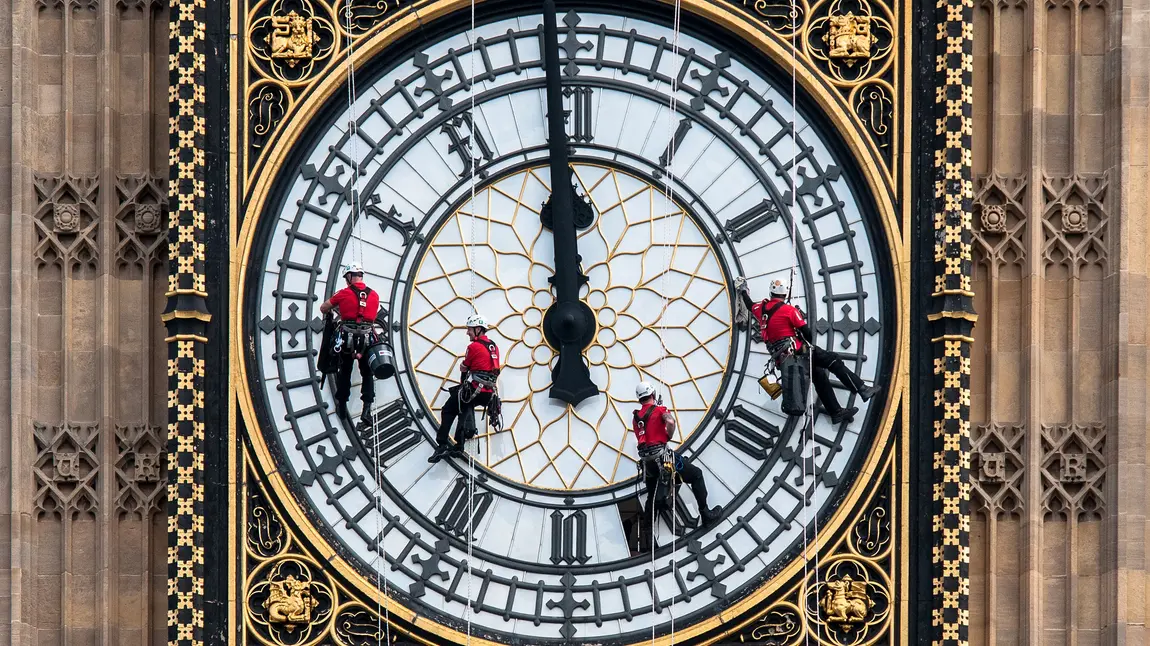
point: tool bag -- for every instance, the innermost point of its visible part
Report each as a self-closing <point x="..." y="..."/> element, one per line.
<point x="328" y="361"/>
<point x="795" y="378"/>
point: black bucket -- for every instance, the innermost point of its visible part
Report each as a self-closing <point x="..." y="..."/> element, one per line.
<point x="381" y="360"/>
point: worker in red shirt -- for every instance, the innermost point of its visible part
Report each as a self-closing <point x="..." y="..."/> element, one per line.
<point x="654" y="426"/>
<point x="358" y="306"/>
<point x="785" y="332"/>
<point x="477" y="387"/>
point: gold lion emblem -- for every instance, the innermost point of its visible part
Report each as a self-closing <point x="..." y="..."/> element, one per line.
<point x="290" y="602"/>
<point x="846" y="601"/>
<point x="849" y="37"/>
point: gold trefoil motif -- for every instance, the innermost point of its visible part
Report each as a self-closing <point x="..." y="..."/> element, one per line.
<point x="849" y="38"/>
<point x="846" y="601"/>
<point x="292" y="38"/>
<point x="290" y="602"/>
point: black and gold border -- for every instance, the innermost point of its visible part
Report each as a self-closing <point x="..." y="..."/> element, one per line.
<point x="186" y="319"/>
<point x="950" y="321"/>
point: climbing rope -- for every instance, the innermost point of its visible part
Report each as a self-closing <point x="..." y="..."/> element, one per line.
<point x="382" y="608"/>
<point x="464" y="409"/>
<point x="668" y="258"/>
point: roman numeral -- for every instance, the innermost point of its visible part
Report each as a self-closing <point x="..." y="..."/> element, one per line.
<point x="392" y="218"/>
<point x="569" y="537"/>
<point x="580" y="113"/>
<point x="392" y="433"/>
<point x="750" y="433"/>
<point x="673" y="146"/>
<point x="746" y="223"/>
<point x="461" y="515"/>
<point x="466" y="141"/>
<point x="684" y="521"/>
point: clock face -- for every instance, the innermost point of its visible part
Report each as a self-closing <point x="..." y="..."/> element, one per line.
<point x="531" y="539"/>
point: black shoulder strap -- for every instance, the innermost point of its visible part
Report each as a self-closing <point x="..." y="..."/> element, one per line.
<point x="361" y="300"/>
<point x="768" y="313"/>
<point x="646" y="416"/>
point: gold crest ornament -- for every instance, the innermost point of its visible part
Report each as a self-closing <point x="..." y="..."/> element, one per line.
<point x="849" y="38"/>
<point x="292" y="38"/>
<point x="290" y="602"/>
<point x="846" y="601"/>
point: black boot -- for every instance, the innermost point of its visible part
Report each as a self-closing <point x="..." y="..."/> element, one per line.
<point x="710" y="516"/>
<point x="440" y="452"/>
<point x="869" y="391"/>
<point x="342" y="412"/>
<point x="367" y="419"/>
<point x="844" y="415"/>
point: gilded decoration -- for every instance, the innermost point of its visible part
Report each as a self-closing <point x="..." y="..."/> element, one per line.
<point x="291" y="38"/>
<point x="289" y="602"/>
<point x="288" y="57"/>
<point x="844" y="597"/>
<point x="850" y="40"/>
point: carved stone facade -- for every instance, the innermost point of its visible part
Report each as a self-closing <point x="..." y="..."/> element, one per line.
<point x="83" y="192"/>
<point x="1059" y="428"/>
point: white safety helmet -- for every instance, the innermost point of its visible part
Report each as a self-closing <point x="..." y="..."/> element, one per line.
<point x="644" y="389"/>
<point x="779" y="289"/>
<point x="352" y="268"/>
<point x="477" y="320"/>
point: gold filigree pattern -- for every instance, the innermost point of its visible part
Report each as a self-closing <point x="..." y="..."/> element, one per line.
<point x="851" y="40"/>
<point x="289" y="44"/>
<point x="848" y="602"/>
<point x="289" y="603"/>
<point x="639" y="247"/>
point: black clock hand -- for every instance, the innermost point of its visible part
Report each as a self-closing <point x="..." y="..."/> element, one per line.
<point x="569" y="324"/>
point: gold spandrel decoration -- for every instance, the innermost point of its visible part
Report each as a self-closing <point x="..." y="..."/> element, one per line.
<point x="849" y="38"/>
<point x="292" y="38"/>
<point x="639" y="246"/>
<point x="289" y="602"/>
<point x="851" y="41"/>
<point x="845" y="595"/>
<point x="290" y="45"/>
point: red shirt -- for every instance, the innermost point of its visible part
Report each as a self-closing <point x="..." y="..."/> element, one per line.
<point x="783" y="323"/>
<point x="347" y="302"/>
<point x="481" y="358"/>
<point x="655" y="431"/>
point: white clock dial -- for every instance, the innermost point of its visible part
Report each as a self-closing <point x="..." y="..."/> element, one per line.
<point x="533" y="542"/>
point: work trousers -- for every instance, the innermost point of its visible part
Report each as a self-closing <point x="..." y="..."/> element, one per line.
<point x="450" y="413"/>
<point x="687" y="472"/>
<point x="824" y="364"/>
<point x="347" y="361"/>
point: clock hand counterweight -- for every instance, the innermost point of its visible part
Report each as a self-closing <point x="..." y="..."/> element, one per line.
<point x="569" y="323"/>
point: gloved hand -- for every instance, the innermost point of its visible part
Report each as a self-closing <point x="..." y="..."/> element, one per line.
<point x="741" y="284"/>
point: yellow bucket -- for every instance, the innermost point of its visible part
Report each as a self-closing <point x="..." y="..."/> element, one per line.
<point x="773" y="389"/>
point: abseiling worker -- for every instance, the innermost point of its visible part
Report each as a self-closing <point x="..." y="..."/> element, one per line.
<point x="654" y="426"/>
<point x="480" y="369"/>
<point x="786" y="333"/>
<point x="358" y="306"/>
